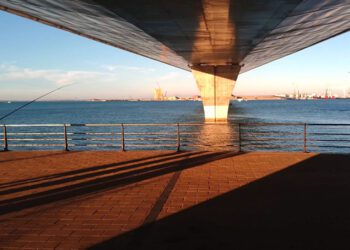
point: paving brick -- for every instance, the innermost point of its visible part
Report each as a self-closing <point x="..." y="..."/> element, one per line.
<point x="77" y="200"/>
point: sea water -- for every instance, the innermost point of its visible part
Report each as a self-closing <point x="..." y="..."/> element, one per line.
<point x="276" y="111"/>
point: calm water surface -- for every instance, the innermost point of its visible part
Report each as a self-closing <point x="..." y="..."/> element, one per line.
<point x="310" y="111"/>
<point x="303" y="111"/>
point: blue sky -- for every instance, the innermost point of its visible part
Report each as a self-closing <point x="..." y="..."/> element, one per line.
<point x="36" y="58"/>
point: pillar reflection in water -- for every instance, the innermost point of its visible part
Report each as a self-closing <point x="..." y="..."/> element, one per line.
<point x="223" y="136"/>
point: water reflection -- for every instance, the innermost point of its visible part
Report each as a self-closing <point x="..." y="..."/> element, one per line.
<point x="217" y="137"/>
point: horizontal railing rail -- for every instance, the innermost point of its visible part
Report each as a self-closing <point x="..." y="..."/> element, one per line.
<point x="311" y="137"/>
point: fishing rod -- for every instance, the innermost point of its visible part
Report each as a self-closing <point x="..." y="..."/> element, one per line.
<point x="28" y="103"/>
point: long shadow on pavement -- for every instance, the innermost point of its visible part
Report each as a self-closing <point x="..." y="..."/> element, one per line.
<point x="111" y="181"/>
<point x="77" y="171"/>
<point x="89" y="172"/>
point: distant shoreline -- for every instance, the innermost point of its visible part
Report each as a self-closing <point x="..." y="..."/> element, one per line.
<point x="241" y="98"/>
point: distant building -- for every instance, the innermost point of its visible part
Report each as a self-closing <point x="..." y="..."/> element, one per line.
<point x="158" y="94"/>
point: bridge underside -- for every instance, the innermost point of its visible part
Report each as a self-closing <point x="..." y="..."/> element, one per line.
<point x="197" y="34"/>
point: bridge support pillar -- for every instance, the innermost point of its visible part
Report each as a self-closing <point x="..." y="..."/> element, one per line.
<point x="215" y="84"/>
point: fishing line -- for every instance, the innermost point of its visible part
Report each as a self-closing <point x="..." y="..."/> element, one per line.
<point x="28" y="103"/>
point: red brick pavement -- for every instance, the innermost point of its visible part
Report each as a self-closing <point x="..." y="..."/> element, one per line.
<point x="78" y="200"/>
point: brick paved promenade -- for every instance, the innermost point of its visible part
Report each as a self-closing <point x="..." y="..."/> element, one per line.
<point x="169" y="200"/>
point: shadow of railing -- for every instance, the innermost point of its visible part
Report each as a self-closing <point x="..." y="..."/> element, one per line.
<point x="95" y="182"/>
<point x="87" y="171"/>
<point x="304" y="206"/>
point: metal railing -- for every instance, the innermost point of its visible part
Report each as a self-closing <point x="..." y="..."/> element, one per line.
<point x="306" y="137"/>
<point x="180" y="136"/>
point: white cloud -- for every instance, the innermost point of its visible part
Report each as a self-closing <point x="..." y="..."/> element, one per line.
<point x="109" y="82"/>
<point x="57" y="77"/>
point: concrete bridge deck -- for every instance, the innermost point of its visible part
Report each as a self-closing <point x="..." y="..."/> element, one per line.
<point x="169" y="200"/>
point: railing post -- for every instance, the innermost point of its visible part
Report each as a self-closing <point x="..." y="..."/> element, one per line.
<point x="239" y="138"/>
<point x="122" y="137"/>
<point x="178" y="137"/>
<point x="65" y="138"/>
<point x="305" y="139"/>
<point x="5" y="139"/>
